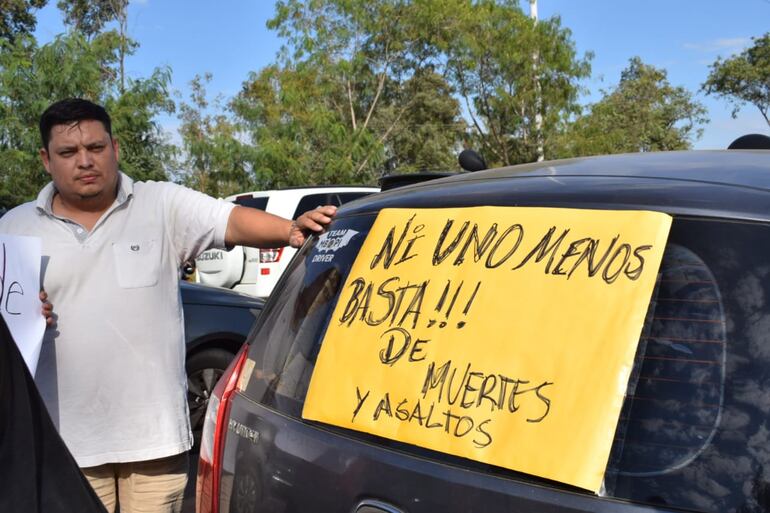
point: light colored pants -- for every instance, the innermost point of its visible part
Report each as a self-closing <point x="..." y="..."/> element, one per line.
<point x="154" y="486"/>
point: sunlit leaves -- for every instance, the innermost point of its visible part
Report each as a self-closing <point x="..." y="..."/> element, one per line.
<point x="644" y="112"/>
<point x="744" y="78"/>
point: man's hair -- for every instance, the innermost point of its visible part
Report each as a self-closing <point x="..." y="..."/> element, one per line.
<point x="71" y="112"/>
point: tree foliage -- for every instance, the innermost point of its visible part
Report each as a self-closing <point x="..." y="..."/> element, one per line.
<point x="509" y="69"/>
<point x="360" y="86"/>
<point x="366" y="62"/>
<point x="145" y="150"/>
<point x="294" y="124"/>
<point x="17" y="18"/>
<point x="643" y="113"/>
<point x="90" y="16"/>
<point x="214" y="160"/>
<point x="430" y="131"/>
<point x="32" y="77"/>
<point x="744" y="78"/>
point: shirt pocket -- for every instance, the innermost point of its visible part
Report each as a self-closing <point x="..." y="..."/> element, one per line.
<point x="137" y="263"/>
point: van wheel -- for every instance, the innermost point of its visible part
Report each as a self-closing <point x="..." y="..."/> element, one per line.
<point x="203" y="371"/>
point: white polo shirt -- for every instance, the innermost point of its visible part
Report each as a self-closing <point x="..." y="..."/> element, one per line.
<point x="111" y="370"/>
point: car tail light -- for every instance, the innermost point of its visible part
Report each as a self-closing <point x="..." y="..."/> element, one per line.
<point x="213" y="437"/>
<point x="268" y="256"/>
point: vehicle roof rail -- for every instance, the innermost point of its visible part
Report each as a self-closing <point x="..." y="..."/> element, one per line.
<point x="395" y="180"/>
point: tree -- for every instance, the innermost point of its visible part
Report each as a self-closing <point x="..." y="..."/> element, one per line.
<point x="427" y="134"/>
<point x="294" y="119"/>
<point x="643" y="113"/>
<point x="145" y="151"/>
<point x="214" y="161"/>
<point x="33" y="77"/>
<point x="491" y="63"/>
<point x="90" y="17"/>
<point x="744" y="78"/>
<point x="17" y="19"/>
<point x="364" y="56"/>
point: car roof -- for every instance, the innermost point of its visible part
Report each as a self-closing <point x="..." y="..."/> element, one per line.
<point x="299" y="191"/>
<point x="733" y="184"/>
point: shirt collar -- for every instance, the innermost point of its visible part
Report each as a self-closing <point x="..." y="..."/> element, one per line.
<point x="44" y="201"/>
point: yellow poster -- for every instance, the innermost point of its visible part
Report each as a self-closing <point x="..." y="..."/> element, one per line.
<point x="501" y="334"/>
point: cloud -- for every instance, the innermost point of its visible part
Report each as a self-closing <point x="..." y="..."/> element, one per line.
<point x="720" y="45"/>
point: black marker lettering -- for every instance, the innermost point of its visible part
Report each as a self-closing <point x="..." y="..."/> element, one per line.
<point x="383" y="406"/>
<point x="485" y="434"/>
<point x="440" y="255"/>
<point x="479" y="248"/>
<point x="360" y="401"/>
<point x="545" y="400"/>
<point x="634" y="274"/>
<point x="542" y="249"/>
<point x="517" y="228"/>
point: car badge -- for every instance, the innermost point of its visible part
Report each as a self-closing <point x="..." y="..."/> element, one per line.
<point x="134" y="247"/>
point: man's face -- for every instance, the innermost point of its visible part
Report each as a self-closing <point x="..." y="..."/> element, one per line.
<point x="82" y="160"/>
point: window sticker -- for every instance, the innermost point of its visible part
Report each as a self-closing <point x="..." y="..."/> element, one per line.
<point x="331" y="241"/>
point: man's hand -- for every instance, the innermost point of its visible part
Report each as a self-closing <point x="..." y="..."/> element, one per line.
<point x="258" y="229"/>
<point x="47" y="309"/>
<point x="312" y="221"/>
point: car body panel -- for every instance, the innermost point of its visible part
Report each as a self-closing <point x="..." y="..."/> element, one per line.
<point x="285" y="465"/>
<point x="215" y="315"/>
<point x="690" y="184"/>
<point x="275" y="461"/>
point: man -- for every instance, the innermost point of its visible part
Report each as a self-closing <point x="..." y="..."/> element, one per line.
<point x="111" y="369"/>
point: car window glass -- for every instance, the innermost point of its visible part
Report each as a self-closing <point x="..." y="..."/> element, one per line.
<point x="694" y="431"/>
<point x="683" y="364"/>
<point x="344" y="197"/>
<point x="691" y="432"/>
<point x="311" y="201"/>
<point x="292" y="327"/>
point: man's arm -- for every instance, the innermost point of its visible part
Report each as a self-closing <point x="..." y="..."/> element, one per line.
<point x="256" y="228"/>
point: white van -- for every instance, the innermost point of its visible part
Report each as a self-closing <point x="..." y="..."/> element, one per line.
<point x="256" y="271"/>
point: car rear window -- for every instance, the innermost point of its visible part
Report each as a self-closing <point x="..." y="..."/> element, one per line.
<point x="694" y="430"/>
<point x="312" y="201"/>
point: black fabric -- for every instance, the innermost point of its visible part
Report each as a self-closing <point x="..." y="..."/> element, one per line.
<point x="37" y="472"/>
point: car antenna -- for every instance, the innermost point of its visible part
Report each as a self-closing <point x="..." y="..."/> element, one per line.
<point x="751" y="142"/>
<point x="470" y="160"/>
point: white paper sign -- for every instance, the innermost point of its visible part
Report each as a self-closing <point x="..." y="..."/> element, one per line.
<point x="20" y="303"/>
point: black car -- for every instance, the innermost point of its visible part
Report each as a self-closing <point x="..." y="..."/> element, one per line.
<point x="694" y="430"/>
<point x="216" y="323"/>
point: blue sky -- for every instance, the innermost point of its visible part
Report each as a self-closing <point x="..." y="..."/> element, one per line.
<point x="229" y="39"/>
